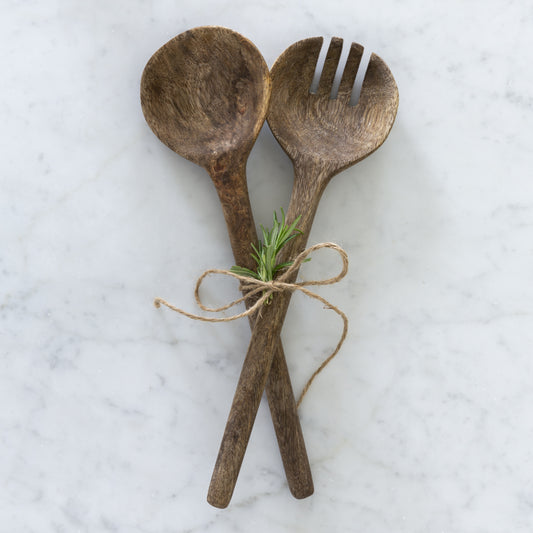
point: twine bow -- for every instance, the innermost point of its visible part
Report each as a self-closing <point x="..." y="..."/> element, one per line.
<point x="251" y="287"/>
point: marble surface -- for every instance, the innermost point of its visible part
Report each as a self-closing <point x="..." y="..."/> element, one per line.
<point x="111" y="411"/>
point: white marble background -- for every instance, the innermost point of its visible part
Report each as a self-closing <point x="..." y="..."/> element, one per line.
<point x="111" y="411"/>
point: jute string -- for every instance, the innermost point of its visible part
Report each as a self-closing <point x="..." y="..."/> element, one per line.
<point x="251" y="287"/>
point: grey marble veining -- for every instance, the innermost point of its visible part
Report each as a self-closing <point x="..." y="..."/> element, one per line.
<point x="111" y="411"/>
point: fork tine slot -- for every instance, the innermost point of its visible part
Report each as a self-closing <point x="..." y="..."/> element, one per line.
<point x="330" y="67"/>
<point x="350" y="72"/>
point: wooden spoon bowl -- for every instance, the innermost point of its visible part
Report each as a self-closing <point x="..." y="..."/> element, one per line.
<point x="202" y="94"/>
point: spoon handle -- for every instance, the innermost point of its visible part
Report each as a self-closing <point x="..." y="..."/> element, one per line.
<point x="259" y="358"/>
<point x="233" y="194"/>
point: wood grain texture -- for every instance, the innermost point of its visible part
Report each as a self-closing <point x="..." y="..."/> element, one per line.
<point x="322" y="136"/>
<point x="205" y="95"/>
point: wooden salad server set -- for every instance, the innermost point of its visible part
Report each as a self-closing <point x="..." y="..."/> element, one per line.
<point x="206" y="94"/>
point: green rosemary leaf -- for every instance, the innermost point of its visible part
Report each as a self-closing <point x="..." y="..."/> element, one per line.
<point x="266" y="252"/>
<point x="281" y="266"/>
<point x="243" y="271"/>
<point x="257" y="251"/>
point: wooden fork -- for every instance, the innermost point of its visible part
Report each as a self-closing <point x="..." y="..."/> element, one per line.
<point x="322" y="136"/>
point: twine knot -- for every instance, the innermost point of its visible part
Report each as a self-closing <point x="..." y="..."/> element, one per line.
<point x="251" y="287"/>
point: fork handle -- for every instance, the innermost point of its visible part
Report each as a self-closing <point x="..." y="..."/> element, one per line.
<point x="232" y="189"/>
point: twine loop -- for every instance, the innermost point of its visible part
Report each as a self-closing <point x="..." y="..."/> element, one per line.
<point x="251" y="287"/>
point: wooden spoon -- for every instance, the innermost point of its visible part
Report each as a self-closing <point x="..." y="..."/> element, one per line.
<point x="322" y="136"/>
<point x="205" y="95"/>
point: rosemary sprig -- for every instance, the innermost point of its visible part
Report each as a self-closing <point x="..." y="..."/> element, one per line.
<point x="267" y="250"/>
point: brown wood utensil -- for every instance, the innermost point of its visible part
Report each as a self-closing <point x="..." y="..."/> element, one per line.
<point x="322" y="136"/>
<point x="205" y="95"/>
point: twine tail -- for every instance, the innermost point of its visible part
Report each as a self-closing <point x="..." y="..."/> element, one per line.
<point x="330" y="357"/>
